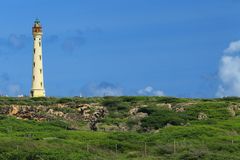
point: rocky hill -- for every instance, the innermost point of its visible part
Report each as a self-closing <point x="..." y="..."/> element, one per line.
<point x="119" y="128"/>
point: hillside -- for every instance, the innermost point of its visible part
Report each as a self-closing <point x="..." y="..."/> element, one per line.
<point x="119" y="128"/>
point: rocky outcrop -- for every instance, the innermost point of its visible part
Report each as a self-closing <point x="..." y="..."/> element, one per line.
<point x="84" y="112"/>
<point x="14" y="110"/>
<point x="134" y="116"/>
<point x="55" y="113"/>
<point x="24" y="112"/>
<point x="96" y="117"/>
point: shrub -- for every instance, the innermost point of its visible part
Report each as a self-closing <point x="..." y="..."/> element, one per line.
<point x="110" y="102"/>
<point x="65" y="100"/>
<point x="159" y="118"/>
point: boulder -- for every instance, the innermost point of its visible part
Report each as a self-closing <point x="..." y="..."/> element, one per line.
<point x="233" y="109"/>
<point x="61" y="105"/>
<point x="133" y="111"/>
<point x="181" y="109"/>
<point x="202" y="116"/>
<point x="165" y="105"/>
<point x="55" y="113"/>
<point x="14" y="110"/>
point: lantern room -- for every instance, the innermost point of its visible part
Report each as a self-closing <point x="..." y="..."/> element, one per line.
<point x="37" y="28"/>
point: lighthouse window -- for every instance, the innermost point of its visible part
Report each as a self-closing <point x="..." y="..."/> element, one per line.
<point x="41" y="84"/>
<point x="39" y="44"/>
<point x="40" y="70"/>
<point x="33" y="77"/>
<point x="34" y="50"/>
<point x="40" y="57"/>
<point x="33" y="64"/>
<point x="34" y="39"/>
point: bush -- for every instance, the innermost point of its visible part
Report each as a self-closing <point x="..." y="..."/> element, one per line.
<point x="65" y="100"/>
<point x="159" y="118"/>
<point x="110" y="102"/>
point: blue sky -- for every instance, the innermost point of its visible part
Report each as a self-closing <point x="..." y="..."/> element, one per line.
<point x="120" y="47"/>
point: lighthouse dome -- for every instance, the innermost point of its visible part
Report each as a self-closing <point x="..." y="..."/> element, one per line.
<point x="37" y="23"/>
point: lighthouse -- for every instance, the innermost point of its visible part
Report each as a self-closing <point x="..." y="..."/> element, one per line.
<point x="37" y="66"/>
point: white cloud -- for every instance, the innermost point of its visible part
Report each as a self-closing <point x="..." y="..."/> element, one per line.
<point x="146" y="90"/>
<point x="233" y="47"/>
<point x="109" y="89"/>
<point x="158" y="93"/>
<point x="229" y="72"/>
<point x="7" y="87"/>
<point x="101" y="89"/>
<point x="14" y="90"/>
<point x="150" y="91"/>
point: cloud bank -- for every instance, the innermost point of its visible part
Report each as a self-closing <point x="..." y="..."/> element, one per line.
<point x="101" y="89"/>
<point x="150" y="91"/>
<point x="68" y="42"/>
<point x="109" y="89"/>
<point x="7" y="87"/>
<point x="14" y="42"/>
<point x="233" y="47"/>
<point x="229" y="71"/>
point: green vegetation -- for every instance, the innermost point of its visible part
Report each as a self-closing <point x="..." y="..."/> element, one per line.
<point x="133" y="128"/>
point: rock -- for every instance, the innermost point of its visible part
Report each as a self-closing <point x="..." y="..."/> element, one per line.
<point x="4" y="110"/>
<point x="41" y="108"/>
<point x="14" y="110"/>
<point x="25" y="109"/>
<point x="141" y="115"/>
<point x="56" y="113"/>
<point x="202" y="116"/>
<point x="233" y="109"/>
<point x="123" y="127"/>
<point x="135" y="121"/>
<point x="50" y="111"/>
<point x="86" y="116"/>
<point x="168" y="125"/>
<point x="94" y="104"/>
<point x="231" y="112"/>
<point x="84" y="110"/>
<point x="165" y="105"/>
<point x="181" y="109"/>
<point x="169" y="106"/>
<point x="133" y="111"/>
<point x="61" y="105"/>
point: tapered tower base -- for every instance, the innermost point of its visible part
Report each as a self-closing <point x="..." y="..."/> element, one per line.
<point x="37" y="93"/>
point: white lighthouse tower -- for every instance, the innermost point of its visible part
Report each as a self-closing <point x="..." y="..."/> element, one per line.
<point x="37" y="71"/>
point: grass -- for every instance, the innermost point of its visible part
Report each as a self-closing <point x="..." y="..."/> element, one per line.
<point x="186" y="138"/>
